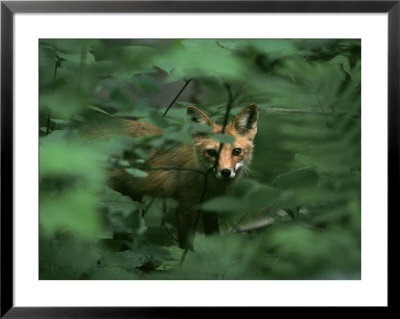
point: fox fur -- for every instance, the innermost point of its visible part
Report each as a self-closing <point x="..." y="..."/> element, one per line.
<point x="177" y="173"/>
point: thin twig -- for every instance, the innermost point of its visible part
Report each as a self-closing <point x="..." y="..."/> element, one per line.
<point x="236" y="226"/>
<point x="48" y="124"/>
<point x="170" y="234"/>
<point x="144" y="210"/>
<point x="177" y="96"/>
<point x="228" y="107"/>
<point x="56" y="66"/>
<point x="163" y="168"/>
<point x="172" y="168"/>
<point x="322" y="110"/>
<point x="307" y="111"/>
<point x="231" y="99"/>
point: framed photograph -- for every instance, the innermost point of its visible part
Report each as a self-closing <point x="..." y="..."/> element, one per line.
<point x="158" y="156"/>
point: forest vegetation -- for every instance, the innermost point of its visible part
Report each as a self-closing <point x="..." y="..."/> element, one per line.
<point x="297" y="215"/>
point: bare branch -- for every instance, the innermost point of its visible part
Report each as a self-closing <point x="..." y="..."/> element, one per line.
<point x="177" y="96"/>
<point x="144" y="210"/>
<point x="48" y="124"/>
<point x="322" y="110"/>
<point x="170" y="234"/>
<point x="256" y="225"/>
<point x="307" y="111"/>
<point x="231" y="99"/>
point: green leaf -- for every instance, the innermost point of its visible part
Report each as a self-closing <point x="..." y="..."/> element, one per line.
<point x="118" y="202"/>
<point x="64" y="101"/>
<point x="124" y="163"/>
<point x="275" y="47"/>
<point x="127" y="259"/>
<point x="157" y="235"/>
<point x="299" y="178"/>
<point x="121" y="213"/>
<point x="191" y="58"/>
<point x="199" y="128"/>
<point x="130" y="60"/>
<point x="139" y="161"/>
<point x="60" y="121"/>
<point x="172" y="260"/>
<point x="181" y="136"/>
<point x="81" y="56"/>
<point x="243" y="187"/>
<point x="71" y="211"/>
<point x="223" y="204"/>
<point x="262" y="197"/>
<point x="223" y="138"/>
<point x="65" y="256"/>
<point x="69" y="182"/>
<point x="97" y="109"/>
<point x="343" y="61"/>
<point x="136" y="172"/>
<point x="146" y="83"/>
<point x="157" y="119"/>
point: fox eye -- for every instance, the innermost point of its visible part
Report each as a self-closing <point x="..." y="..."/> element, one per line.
<point x="212" y="153"/>
<point x="236" y="151"/>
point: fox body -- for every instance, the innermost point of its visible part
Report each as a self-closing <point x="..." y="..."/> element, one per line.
<point x="180" y="172"/>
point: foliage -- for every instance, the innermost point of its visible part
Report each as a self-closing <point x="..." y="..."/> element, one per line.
<point x="296" y="216"/>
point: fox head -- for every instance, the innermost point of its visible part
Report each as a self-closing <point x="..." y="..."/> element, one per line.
<point x="231" y="161"/>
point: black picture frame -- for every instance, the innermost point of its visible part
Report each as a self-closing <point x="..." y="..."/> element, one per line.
<point x="9" y="8"/>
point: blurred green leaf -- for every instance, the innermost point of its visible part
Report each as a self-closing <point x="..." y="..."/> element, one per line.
<point x="223" y="204"/>
<point x="66" y="169"/>
<point x="343" y="61"/>
<point x="122" y="213"/>
<point x="127" y="259"/>
<point x="97" y="109"/>
<point x="190" y="58"/>
<point x="299" y="178"/>
<point x="262" y="197"/>
<point x="136" y="172"/>
<point x="157" y="119"/>
<point x="223" y="138"/>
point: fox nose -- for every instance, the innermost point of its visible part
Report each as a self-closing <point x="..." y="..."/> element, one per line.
<point x="226" y="172"/>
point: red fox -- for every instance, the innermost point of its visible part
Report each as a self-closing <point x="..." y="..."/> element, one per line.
<point x="184" y="181"/>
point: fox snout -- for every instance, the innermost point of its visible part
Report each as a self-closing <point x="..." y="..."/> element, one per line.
<point x="228" y="173"/>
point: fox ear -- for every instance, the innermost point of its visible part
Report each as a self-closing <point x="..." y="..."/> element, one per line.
<point x="198" y="116"/>
<point x="245" y="122"/>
